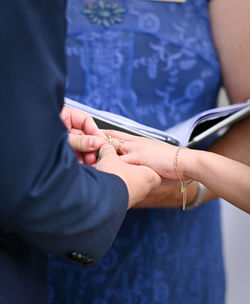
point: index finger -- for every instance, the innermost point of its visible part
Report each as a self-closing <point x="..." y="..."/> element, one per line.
<point x="75" y="119"/>
<point x="90" y="128"/>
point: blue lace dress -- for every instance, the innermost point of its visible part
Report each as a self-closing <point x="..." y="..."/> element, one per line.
<point x="154" y="62"/>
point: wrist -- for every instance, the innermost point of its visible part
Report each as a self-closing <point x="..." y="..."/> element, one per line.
<point x="189" y="163"/>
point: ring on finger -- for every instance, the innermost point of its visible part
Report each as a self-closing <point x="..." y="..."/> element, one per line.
<point x="121" y="141"/>
<point x="110" y="139"/>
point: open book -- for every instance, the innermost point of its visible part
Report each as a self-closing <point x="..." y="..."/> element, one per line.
<point x="187" y="133"/>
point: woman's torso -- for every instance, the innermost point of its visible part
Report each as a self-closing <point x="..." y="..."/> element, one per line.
<point x="154" y="62"/>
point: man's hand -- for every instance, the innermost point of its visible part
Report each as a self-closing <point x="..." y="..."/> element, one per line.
<point x="84" y="136"/>
<point x="139" y="179"/>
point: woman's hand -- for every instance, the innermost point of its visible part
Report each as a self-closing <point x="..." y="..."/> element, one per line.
<point x="84" y="136"/>
<point x="154" y="154"/>
<point x="161" y="158"/>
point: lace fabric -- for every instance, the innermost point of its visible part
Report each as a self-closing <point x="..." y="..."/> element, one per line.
<point x="156" y="63"/>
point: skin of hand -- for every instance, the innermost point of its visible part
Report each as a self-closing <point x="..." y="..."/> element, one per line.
<point x="209" y="168"/>
<point x="229" y="179"/>
<point x="139" y="179"/>
<point x="167" y="194"/>
<point x="137" y="150"/>
<point x="84" y="136"/>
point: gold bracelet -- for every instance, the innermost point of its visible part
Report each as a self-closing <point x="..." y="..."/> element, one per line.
<point x="184" y="185"/>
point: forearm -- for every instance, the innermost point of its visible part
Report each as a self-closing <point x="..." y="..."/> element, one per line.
<point x="233" y="145"/>
<point x="227" y="178"/>
<point x="161" y="158"/>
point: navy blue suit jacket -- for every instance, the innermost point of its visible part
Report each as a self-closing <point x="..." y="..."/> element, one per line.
<point x="49" y="202"/>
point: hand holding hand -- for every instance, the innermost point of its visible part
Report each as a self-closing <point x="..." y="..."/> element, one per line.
<point x="84" y="136"/>
<point x="154" y="154"/>
<point x="139" y="179"/>
<point x="161" y="157"/>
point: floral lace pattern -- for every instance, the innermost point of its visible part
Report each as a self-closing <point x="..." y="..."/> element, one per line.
<point x="154" y="62"/>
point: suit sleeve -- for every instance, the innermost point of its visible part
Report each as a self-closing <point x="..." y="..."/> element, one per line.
<point x="47" y="198"/>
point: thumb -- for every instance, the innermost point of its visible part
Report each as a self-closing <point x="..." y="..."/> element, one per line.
<point x="132" y="159"/>
<point x="106" y="150"/>
<point x="85" y="143"/>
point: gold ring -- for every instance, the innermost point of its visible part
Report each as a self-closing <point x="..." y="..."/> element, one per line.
<point x="121" y="141"/>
